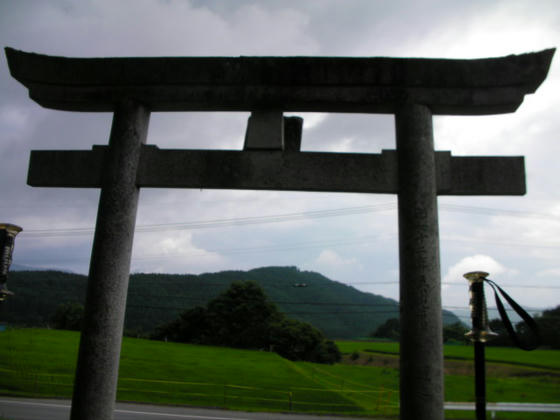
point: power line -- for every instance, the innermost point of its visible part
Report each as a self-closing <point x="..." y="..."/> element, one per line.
<point x="513" y="286"/>
<point x="318" y="243"/>
<point x="394" y="311"/>
<point x="331" y="313"/>
<point x="498" y="212"/>
<point x="502" y="243"/>
<point x="465" y="284"/>
<point x="203" y="300"/>
<point x="284" y="217"/>
<point x="338" y="304"/>
<point x="382" y="283"/>
<point x="395" y="305"/>
<point x="347" y="241"/>
<point x="204" y="224"/>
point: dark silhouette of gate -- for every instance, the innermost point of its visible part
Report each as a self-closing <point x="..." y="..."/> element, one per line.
<point x="411" y="89"/>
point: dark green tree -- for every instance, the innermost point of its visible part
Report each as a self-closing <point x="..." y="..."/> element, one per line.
<point x="328" y="352"/>
<point x="294" y="340"/>
<point x="297" y="340"/>
<point x="239" y="317"/>
<point x="455" y="333"/>
<point x="548" y="324"/>
<point x="243" y="317"/>
<point x="549" y="328"/>
<point x="502" y="338"/>
<point x="190" y="327"/>
<point x="390" y="329"/>
<point x="68" y="316"/>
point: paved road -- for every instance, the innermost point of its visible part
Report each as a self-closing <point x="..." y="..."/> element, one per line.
<point x="42" y="409"/>
<point x="507" y="406"/>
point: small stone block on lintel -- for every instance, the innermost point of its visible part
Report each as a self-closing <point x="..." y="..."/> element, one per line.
<point x="293" y="127"/>
<point x="265" y="131"/>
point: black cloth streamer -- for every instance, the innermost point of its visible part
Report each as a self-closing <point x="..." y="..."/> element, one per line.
<point x="535" y="340"/>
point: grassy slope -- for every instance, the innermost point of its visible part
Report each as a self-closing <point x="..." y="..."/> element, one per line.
<point x="547" y="359"/>
<point x="41" y="363"/>
<point x="512" y="374"/>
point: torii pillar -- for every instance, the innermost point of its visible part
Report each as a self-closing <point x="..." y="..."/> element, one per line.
<point x="411" y="89"/>
<point x="95" y="392"/>
<point x="421" y="380"/>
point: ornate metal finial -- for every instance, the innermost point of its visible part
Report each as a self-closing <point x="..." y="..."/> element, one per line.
<point x="479" y="313"/>
<point x="8" y="233"/>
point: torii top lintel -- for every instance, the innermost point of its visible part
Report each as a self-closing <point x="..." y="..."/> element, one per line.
<point x="312" y="84"/>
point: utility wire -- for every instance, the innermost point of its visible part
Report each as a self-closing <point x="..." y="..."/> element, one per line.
<point x="379" y="306"/>
<point x="191" y="299"/>
<point x="326" y="313"/>
<point x="204" y="224"/>
<point x="347" y="241"/>
<point x="465" y="284"/>
<point x="371" y="283"/>
<point x="497" y="212"/>
<point x="275" y="218"/>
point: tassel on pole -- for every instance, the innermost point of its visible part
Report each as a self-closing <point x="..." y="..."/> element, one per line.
<point x="8" y="234"/>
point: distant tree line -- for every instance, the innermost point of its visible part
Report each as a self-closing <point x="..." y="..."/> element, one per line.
<point x="244" y="317"/>
<point x="548" y="324"/>
<point x="391" y="329"/>
<point x="68" y="316"/>
<point x="154" y="299"/>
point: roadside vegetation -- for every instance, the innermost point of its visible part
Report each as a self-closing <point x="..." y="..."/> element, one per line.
<point x="548" y="324"/>
<point x="244" y="317"/>
<point x="40" y="363"/>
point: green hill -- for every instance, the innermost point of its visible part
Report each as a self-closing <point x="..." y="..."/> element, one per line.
<point x="339" y="310"/>
<point x="41" y="363"/>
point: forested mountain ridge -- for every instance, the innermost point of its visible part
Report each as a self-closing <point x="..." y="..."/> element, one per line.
<point x="339" y="310"/>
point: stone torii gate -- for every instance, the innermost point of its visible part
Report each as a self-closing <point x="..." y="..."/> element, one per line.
<point x="411" y="89"/>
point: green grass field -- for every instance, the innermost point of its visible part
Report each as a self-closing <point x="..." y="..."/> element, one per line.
<point x="513" y="375"/>
<point x="546" y="359"/>
<point x="36" y="362"/>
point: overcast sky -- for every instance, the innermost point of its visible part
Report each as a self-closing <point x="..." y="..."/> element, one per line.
<point x="351" y="238"/>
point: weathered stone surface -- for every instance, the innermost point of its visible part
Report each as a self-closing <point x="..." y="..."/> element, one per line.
<point x="276" y="170"/>
<point x="321" y="84"/>
<point x="494" y="174"/>
<point x="97" y="370"/>
<point x="421" y="349"/>
<point x="66" y="168"/>
<point x="265" y="131"/>
<point x="293" y="128"/>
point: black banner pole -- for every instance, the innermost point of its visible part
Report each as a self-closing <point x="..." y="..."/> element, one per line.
<point x="479" y="334"/>
<point x="479" y="380"/>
